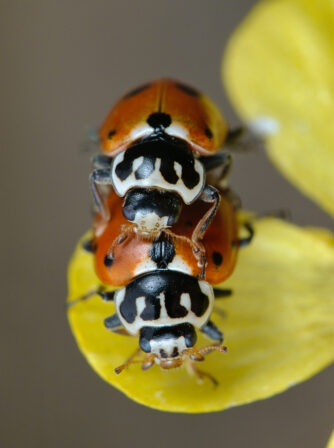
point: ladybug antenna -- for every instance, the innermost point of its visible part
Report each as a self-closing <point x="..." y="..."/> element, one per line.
<point x="120" y="368"/>
<point x="211" y="348"/>
<point x="198" y="354"/>
<point x="146" y="363"/>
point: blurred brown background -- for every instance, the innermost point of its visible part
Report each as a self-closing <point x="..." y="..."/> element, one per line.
<point x="63" y="64"/>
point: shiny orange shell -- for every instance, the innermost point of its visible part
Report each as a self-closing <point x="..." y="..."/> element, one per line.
<point x="131" y="256"/>
<point x="193" y="117"/>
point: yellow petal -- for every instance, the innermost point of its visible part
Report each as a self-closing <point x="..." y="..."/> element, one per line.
<point x="324" y="234"/>
<point x="279" y="326"/>
<point x="330" y="443"/>
<point x="279" y="73"/>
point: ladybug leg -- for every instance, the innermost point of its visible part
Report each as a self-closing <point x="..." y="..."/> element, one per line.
<point x="100" y="177"/>
<point x="211" y="195"/>
<point x="212" y="331"/>
<point x="172" y="235"/>
<point x="243" y="139"/>
<point x="221" y="313"/>
<point x="197" y="247"/>
<point x="222" y="293"/>
<point x="221" y="159"/>
<point x="126" y="229"/>
<point x="131" y="360"/>
<point x="105" y="295"/>
<point x="200" y="254"/>
<point x="243" y="242"/>
<point x="194" y="370"/>
<point x="101" y="161"/>
<point x="283" y="213"/>
<point x="89" y="246"/>
<point x="92" y="141"/>
<point x="113" y="323"/>
<point x="218" y="165"/>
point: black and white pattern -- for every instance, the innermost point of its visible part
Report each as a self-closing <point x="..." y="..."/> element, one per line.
<point x="160" y="164"/>
<point x="168" y="341"/>
<point x="164" y="298"/>
<point x="151" y="209"/>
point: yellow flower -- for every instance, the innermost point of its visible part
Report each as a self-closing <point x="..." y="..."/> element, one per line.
<point x="279" y="72"/>
<point x="279" y="323"/>
<point x="330" y="443"/>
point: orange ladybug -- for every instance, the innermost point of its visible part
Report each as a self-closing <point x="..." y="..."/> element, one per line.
<point x="120" y="256"/>
<point x="180" y="110"/>
<point x="166" y="230"/>
<point x="159" y="143"/>
<point x="163" y="299"/>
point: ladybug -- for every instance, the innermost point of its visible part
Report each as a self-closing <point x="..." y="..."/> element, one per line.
<point x="158" y="144"/>
<point x="118" y="258"/>
<point x="165" y="105"/>
<point x="164" y="308"/>
<point x="163" y="300"/>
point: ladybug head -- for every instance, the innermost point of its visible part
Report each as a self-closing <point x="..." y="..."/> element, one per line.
<point x="164" y="307"/>
<point x="167" y="344"/>
<point x="151" y="209"/>
<point x="170" y="346"/>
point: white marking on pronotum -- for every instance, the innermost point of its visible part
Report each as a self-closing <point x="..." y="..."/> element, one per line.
<point x="207" y="289"/>
<point x="164" y="319"/>
<point x="137" y="162"/>
<point x="155" y="179"/>
<point x="185" y="301"/>
<point x="163" y="311"/>
<point x="140" y="304"/>
<point x="178" y="169"/>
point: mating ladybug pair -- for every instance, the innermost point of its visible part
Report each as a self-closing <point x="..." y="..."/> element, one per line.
<point x="166" y="227"/>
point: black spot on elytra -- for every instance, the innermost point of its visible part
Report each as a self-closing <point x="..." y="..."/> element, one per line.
<point x="217" y="258"/>
<point x="111" y="134"/>
<point x="112" y="322"/>
<point x="90" y="246"/>
<point x="159" y="120"/>
<point x="187" y="89"/>
<point x="188" y="224"/>
<point x="137" y="90"/>
<point x="208" y="133"/>
<point x="108" y="260"/>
